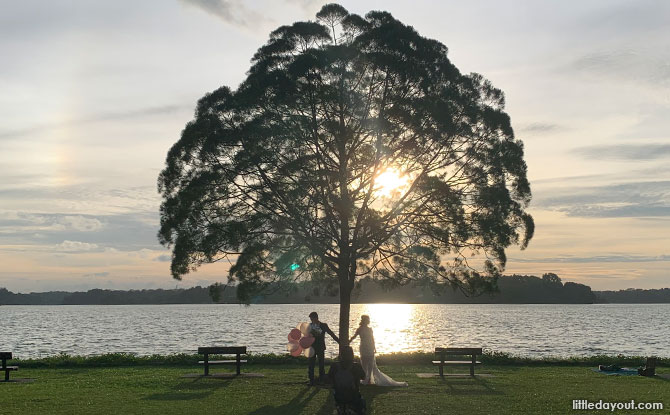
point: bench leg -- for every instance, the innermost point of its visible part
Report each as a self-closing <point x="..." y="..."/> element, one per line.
<point x="206" y="365"/>
<point x="4" y="367"/>
<point x="472" y="366"/>
<point x="237" y="365"/>
<point x="441" y="370"/>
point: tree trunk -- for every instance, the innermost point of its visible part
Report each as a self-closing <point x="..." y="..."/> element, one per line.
<point x="345" y="307"/>
<point x="344" y="257"/>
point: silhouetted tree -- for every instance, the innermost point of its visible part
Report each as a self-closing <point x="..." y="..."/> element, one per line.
<point x="216" y="291"/>
<point x="552" y="278"/>
<point x="282" y="175"/>
<point x="578" y="292"/>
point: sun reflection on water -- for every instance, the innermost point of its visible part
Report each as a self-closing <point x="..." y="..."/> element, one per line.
<point x="394" y="326"/>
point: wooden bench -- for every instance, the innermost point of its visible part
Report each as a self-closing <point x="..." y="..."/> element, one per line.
<point x="443" y="352"/>
<point x="7" y="356"/>
<point x="226" y="350"/>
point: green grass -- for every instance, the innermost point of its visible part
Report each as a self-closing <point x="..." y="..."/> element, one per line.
<point x="161" y="389"/>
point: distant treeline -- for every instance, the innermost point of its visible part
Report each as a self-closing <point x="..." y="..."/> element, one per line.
<point x="196" y="295"/>
<point x="634" y="295"/>
<point x="514" y="289"/>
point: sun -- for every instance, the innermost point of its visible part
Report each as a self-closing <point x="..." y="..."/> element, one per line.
<point x="389" y="182"/>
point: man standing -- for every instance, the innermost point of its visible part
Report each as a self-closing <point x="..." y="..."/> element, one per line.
<point x="318" y="330"/>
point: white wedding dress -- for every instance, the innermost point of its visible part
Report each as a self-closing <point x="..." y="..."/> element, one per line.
<point x="373" y="376"/>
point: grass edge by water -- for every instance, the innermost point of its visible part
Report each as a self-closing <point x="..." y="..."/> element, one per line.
<point x="64" y="360"/>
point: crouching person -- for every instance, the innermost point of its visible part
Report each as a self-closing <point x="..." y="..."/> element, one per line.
<point x="345" y="376"/>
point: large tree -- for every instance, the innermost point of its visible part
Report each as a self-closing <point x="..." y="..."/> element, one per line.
<point x="354" y="147"/>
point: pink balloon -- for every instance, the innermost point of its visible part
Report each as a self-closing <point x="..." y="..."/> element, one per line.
<point x="306" y="341"/>
<point x="296" y="352"/>
<point x="304" y="328"/>
<point x="294" y="335"/>
<point x="309" y="352"/>
<point x="291" y="346"/>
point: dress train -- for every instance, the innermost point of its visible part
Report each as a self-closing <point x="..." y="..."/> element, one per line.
<point x="374" y="376"/>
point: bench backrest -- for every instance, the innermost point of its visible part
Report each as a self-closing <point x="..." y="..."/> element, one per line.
<point x="458" y="351"/>
<point x="223" y="350"/>
<point x="5" y="355"/>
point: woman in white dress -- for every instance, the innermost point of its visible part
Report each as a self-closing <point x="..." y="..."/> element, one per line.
<point x="367" y="350"/>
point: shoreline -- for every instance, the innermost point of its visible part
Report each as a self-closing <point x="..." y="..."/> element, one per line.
<point x="400" y="359"/>
<point x="353" y="303"/>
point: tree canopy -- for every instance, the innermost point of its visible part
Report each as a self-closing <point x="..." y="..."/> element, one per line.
<point x="353" y="147"/>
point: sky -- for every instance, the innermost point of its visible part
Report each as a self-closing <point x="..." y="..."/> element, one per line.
<point x="93" y="94"/>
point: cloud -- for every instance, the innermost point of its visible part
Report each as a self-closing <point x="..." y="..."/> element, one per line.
<point x="97" y="274"/>
<point x="626" y="65"/>
<point x="95" y="118"/>
<point x="89" y="200"/>
<point x="81" y="223"/>
<point x="625" y="151"/>
<point x="651" y="124"/>
<point x="636" y="199"/>
<point x="596" y="259"/>
<point x="540" y="127"/>
<point x="76" y="246"/>
<point x="310" y="7"/>
<point x="163" y="258"/>
<point x="611" y="211"/>
<point x="143" y="253"/>
<point x="627" y="18"/>
<point x="23" y="222"/>
<point x="230" y="11"/>
<point x="132" y="231"/>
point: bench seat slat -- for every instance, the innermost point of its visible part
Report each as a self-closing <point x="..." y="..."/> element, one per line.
<point x="223" y="350"/>
<point x="455" y="362"/>
<point x="9" y="368"/>
<point x="221" y="362"/>
<point x="458" y="350"/>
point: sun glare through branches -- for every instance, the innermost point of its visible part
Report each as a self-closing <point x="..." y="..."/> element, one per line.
<point x="390" y="183"/>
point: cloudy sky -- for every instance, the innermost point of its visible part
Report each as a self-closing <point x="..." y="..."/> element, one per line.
<point x="93" y="94"/>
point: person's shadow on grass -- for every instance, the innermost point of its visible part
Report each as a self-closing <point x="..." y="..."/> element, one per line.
<point x="295" y="406"/>
<point x="369" y="393"/>
<point x="663" y="377"/>
<point x="469" y="386"/>
<point x="189" y="391"/>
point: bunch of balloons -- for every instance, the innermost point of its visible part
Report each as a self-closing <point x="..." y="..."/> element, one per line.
<point x="300" y="340"/>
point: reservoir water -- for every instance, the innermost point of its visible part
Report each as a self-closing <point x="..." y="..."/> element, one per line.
<point x="529" y="330"/>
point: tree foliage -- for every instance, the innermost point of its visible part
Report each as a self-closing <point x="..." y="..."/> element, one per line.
<point x="285" y="169"/>
<point x="551" y="278"/>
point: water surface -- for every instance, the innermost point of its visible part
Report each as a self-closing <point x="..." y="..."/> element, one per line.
<point x="528" y="330"/>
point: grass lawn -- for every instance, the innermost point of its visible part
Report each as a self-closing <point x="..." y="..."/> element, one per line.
<point x="163" y="390"/>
